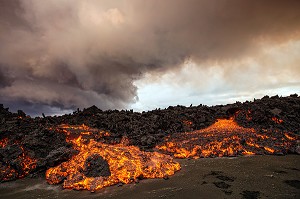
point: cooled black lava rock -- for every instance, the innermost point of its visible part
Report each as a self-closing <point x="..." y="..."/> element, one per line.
<point x="96" y="166"/>
<point x="10" y="153"/>
<point x="148" y="141"/>
<point x="56" y="157"/>
<point x="275" y="112"/>
<point x="42" y="141"/>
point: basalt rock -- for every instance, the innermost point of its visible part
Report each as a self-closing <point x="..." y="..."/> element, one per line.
<point x="41" y="142"/>
<point x="96" y="166"/>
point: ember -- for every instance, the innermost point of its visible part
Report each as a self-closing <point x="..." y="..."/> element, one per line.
<point x="276" y="120"/>
<point x="126" y="164"/>
<point x="3" y="142"/>
<point x="227" y="138"/>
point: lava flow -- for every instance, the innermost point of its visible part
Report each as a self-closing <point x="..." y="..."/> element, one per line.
<point x="99" y="165"/>
<point x="227" y="138"/>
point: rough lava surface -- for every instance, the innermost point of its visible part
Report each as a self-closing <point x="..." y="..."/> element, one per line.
<point x="30" y="146"/>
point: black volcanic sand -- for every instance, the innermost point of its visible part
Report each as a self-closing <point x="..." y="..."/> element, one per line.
<point x="241" y="177"/>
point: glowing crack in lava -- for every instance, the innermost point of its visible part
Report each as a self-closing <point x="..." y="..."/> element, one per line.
<point x="227" y="138"/>
<point x="23" y="164"/>
<point x="126" y="163"/>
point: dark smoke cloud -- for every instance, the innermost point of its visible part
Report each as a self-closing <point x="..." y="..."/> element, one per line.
<point x="69" y="54"/>
<point x="4" y="81"/>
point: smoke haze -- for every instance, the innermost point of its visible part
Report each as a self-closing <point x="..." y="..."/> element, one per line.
<point x="58" y="55"/>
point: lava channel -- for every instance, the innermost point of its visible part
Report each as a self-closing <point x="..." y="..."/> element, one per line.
<point x="226" y="138"/>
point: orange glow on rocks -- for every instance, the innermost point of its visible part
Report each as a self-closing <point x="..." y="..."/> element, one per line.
<point x="127" y="164"/>
<point x="28" y="164"/>
<point x="187" y="122"/>
<point x="248" y="115"/>
<point x="276" y="120"/>
<point x="290" y="137"/>
<point x="3" y="142"/>
<point x="25" y="164"/>
<point x="226" y="138"/>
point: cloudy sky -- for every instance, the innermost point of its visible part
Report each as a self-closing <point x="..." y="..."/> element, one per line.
<point x="57" y="55"/>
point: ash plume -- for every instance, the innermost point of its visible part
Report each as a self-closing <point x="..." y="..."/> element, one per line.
<point x="66" y="54"/>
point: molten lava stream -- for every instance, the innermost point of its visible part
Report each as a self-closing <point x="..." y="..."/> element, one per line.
<point x="112" y="164"/>
<point x="226" y="138"/>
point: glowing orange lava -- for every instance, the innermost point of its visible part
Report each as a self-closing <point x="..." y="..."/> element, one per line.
<point x="226" y="138"/>
<point x="248" y="115"/>
<point x="276" y="120"/>
<point x="187" y="123"/>
<point x="3" y="142"/>
<point x="290" y="137"/>
<point x="27" y="163"/>
<point x="126" y="163"/>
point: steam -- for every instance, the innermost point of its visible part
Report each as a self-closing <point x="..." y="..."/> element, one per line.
<point x="61" y="54"/>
